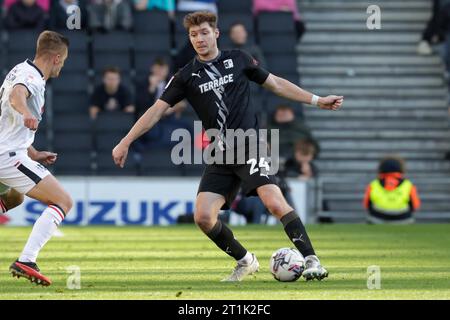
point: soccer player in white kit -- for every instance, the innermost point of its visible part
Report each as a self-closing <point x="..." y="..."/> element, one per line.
<point x="22" y="104"/>
<point x="10" y="198"/>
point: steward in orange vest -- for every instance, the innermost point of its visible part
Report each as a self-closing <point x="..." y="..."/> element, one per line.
<point x="391" y="198"/>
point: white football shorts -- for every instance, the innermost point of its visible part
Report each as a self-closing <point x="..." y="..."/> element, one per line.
<point x="19" y="172"/>
<point x="3" y="189"/>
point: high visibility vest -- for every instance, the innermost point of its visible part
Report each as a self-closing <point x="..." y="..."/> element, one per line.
<point x="391" y="201"/>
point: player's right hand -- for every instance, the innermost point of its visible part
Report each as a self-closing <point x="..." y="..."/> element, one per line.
<point x="331" y="102"/>
<point x="119" y="154"/>
<point x="30" y="122"/>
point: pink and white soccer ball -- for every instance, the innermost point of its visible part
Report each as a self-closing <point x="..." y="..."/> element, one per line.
<point x="287" y="264"/>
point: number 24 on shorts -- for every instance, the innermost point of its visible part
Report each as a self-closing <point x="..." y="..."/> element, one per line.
<point x="262" y="164"/>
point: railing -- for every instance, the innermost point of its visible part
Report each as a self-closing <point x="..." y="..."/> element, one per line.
<point x="434" y="193"/>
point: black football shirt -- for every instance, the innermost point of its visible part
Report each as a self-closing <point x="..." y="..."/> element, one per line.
<point x="219" y="90"/>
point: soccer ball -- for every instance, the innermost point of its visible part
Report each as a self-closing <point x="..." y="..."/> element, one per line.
<point x="287" y="264"/>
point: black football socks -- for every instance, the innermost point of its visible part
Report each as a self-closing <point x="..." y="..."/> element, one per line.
<point x="223" y="237"/>
<point x="297" y="233"/>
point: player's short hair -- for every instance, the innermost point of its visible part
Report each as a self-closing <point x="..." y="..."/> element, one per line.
<point x="111" y="69"/>
<point x="305" y="147"/>
<point x="392" y="163"/>
<point x="199" y="17"/>
<point x="51" y="42"/>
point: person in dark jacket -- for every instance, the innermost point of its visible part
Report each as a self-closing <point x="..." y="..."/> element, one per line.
<point x="25" y="14"/>
<point x="239" y="40"/>
<point x="291" y="129"/>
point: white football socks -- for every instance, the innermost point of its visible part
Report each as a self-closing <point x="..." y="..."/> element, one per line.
<point x="247" y="259"/>
<point x="3" y="208"/>
<point x="42" y="231"/>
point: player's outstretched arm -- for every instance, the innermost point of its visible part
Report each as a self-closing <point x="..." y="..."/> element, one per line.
<point x="288" y="90"/>
<point x="18" y="100"/>
<point x="144" y="124"/>
<point x="44" y="157"/>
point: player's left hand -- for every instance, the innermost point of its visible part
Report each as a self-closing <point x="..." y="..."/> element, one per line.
<point x="331" y="102"/>
<point x="46" y="157"/>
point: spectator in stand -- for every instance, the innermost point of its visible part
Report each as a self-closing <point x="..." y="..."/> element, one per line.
<point x="391" y="198"/>
<point x="111" y="95"/>
<point x="147" y="93"/>
<point x="44" y="4"/>
<point x="151" y="89"/>
<point x="165" y="5"/>
<point x="281" y="5"/>
<point x="25" y="14"/>
<point x="59" y="16"/>
<point x="434" y="32"/>
<point x="239" y="40"/>
<point x="301" y="165"/>
<point x="252" y="208"/>
<point x="197" y="5"/>
<point x="108" y="15"/>
<point x="291" y="130"/>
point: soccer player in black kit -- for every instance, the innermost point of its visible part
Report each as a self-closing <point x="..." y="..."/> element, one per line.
<point x="216" y="84"/>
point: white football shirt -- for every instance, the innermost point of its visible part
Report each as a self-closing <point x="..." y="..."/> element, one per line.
<point x="14" y="136"/>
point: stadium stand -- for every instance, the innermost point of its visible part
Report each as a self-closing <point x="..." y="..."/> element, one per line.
<point x="395" y="103"/>
<point x="20" y="46"/>
<point x="109" y="128"/>
<point x="277" y="40"/>
<point x="150" y="40"/>
<point x="335" y="56"/>
<point x="235" y="6"/>
<point x="42" y="141"/>
<point x="112" y="49"/>
<point x="157" y="162"/>
<point x="73" y="141"/>
<point x="132" y="52"/>
<point x="70" y="90"/>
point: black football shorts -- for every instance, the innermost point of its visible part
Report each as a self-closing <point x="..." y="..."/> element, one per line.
<point x="227" y="179"/>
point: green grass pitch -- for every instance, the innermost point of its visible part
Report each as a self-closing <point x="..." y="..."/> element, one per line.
<point x="181" y="263"/>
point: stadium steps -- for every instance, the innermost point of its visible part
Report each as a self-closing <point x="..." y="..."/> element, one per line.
<point x="370" y="81"/>
<point x="384" y="104"/>
<point x="384" y="124"/>
<point x="395" y="103"/>
<point x="387" y="92"/>
<point x="368" y="165"/>
<point x="392" y="146"/>
<point x="386" y="134"/>
<point x="349" y="186"/>
<point x="360" y="37"/>
<point x="370" y="113"/>
<point x="369" y="60"/>
<point x="342" y="15"/>
<point x="376" y="155"/>
<point x="357" y="26"/>
<point x="314" y="5"/>
<point x="352" y="71"/>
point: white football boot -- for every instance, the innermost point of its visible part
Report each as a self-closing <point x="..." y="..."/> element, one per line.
<point x="242" y="270"/>
<point x="313" y="269"/>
